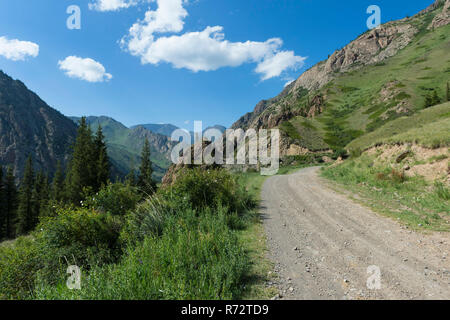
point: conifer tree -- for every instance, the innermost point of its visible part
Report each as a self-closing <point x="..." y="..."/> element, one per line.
<point x="57" y="192"/>
<point x="26" y="218"/>
<point x="36" y="196"/>
<point x="145" y="182"/>
<point x="448" y="92"/>
<point x="80" y="174"/>
<point x="10" y="193"/>
<point x="435" y="98"/>
<point x="428" y="101"/>
<point x="131" y="177"/>
<point x="44" y="195"/>
<point x="101" y="160"/>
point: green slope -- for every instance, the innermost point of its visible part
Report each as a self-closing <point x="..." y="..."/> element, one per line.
<point x="362" y="101"/>
<point x="429" y="127"/>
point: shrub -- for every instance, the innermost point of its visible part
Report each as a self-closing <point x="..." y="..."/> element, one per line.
<point x="211" y="188"/>
<point x="115" y="198"/>
<point x="18" y="266"/>
<point x="147" y="220"/>
<point x="193" y="259"/>
<point x="355" y="153"/>
<point x="81" y="237"/>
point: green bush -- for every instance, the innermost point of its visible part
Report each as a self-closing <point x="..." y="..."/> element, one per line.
<point x="79" y="237"/>
<point x="193" y="259"/>
<point x="18" y="266"/>
<point x="147" y="220"/>
<point x="211" y="189"/>
<point x="115" y="198"/>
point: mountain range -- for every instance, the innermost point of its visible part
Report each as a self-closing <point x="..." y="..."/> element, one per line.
<point x="384" y="74"/>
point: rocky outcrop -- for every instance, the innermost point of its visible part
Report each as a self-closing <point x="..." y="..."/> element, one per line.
<point x="443" y="18"/>
<point x="372" y="47"/>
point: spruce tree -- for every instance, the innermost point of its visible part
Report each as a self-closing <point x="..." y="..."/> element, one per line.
<point x="10" y="192"/>
<point x="36" y="196"/>
<point x="26" y="218"/>
<point x="435" y="100"/>
<point x="80" y="173"/>
<point x="131" y="177"/>
<point x="145" y="182"/>
<point x="448" y="92"/>
<point x="101" y="160"/>
<point x="40" y="196"/>
<point x="44" y="195"/>
<point x="428" y="101"/>
<point x="57" y="192"/>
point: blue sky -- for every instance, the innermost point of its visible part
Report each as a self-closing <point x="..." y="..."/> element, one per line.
<point x="176" y="70"/>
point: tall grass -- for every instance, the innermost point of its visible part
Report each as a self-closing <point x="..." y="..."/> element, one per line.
<point x="413" y="200"/>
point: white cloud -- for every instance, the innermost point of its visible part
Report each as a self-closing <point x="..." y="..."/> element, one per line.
<point x="17" y="50"/>
<point x="84" y="69"/>
<point x="205" y="50"/>
<point x="274" y="65"/>
<point x="111" y="5"/>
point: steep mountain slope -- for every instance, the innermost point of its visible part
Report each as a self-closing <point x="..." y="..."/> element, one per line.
<point x="382" y="75"/>
<point x="125" y="145"/>
<point x="28" y="126"/>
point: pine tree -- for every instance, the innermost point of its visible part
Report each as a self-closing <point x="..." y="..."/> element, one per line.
<point x="81" y="167"/>
<point x="10" y="203"/>
<point x="131" y="177"/>
<point x="25" y="212"/>
<point x="428" y="101"/>
<point x="101" y="160"/>
<point x="435" y="98"/>
<point x="2" y="207"/>
<point x="44" y="195"/>
<point x="36" y="196"/>
<point x="57" y="192"/>
<point x="448" y="92"/>
<point x="145" y="182"/>
<point x="40" y="196"/>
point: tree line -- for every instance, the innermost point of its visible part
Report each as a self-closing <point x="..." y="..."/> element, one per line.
<point x="87" y="171"/>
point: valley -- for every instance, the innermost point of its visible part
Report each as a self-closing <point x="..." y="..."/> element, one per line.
<point x="358" y="210"/>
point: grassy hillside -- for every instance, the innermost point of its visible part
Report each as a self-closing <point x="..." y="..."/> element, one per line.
<point x="429" y="127"/>
<point x="357" y="103"/>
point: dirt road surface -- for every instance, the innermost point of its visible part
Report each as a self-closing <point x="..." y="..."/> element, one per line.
<point x="322" y="245"/>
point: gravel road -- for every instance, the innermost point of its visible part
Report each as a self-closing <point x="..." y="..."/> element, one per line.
<point x="322" y="245"/>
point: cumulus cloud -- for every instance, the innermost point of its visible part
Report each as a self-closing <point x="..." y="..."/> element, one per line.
<point x="84" y="69"/>
<point x="16" y="50"/>
<point x="205" y="50"/>
<point x="111" y="5"/>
